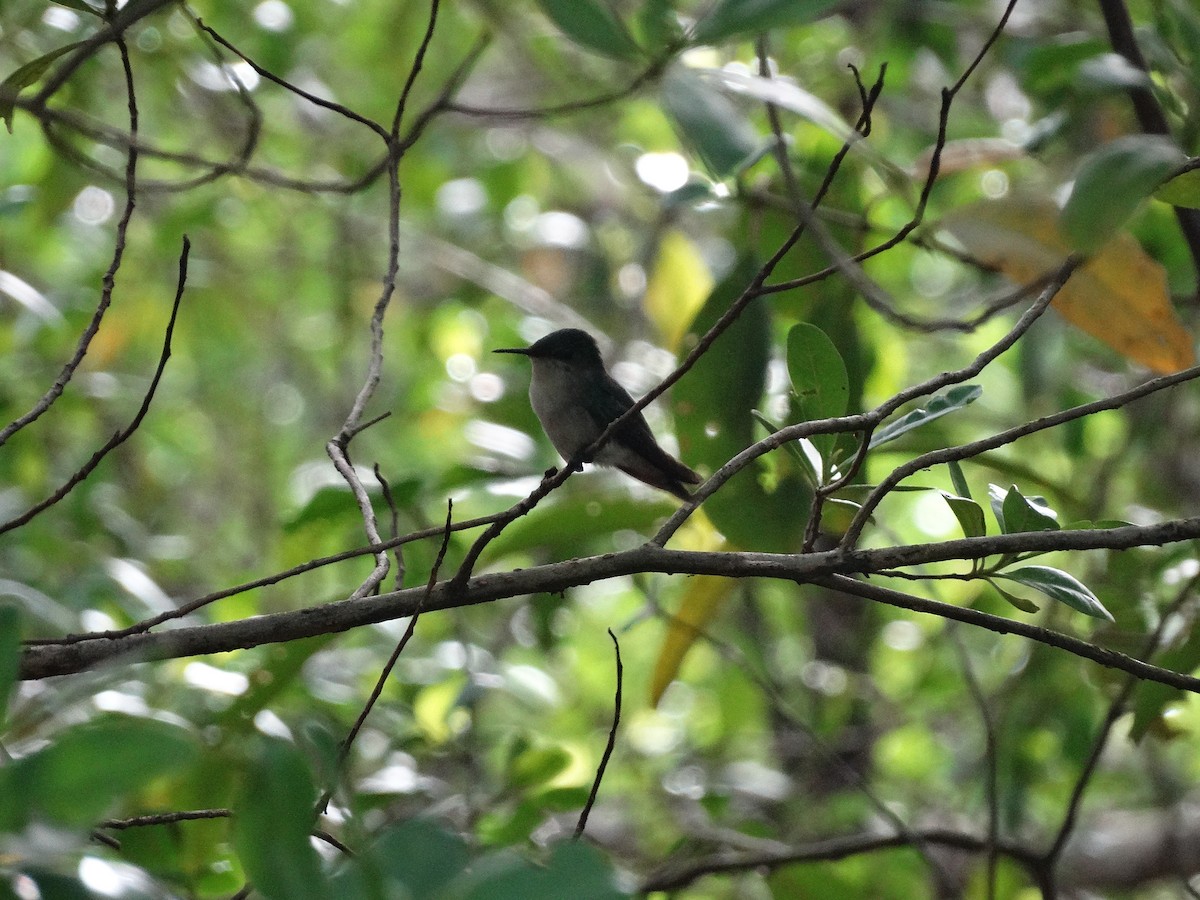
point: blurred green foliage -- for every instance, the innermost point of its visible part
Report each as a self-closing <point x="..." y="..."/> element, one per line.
<point x="798" y="716"/>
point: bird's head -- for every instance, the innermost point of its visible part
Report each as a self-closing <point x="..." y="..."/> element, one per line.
<point x="567" y="346"/>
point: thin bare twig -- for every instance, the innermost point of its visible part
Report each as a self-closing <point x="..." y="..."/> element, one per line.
<point x="395" y="514"/>
<point x="608" y="748"/>
<point x="115" y="28"/>
<point x="414" y="70"/>
<point x="266" y="581"/>
<point x="1149" y="112"/>
<point x="554" y="478"/>
<point x="385" y="673"/>
<point x="679" y="876"/>
<point x="991" y="760"/>
<point x="124" y="434"/>
<point x="974" y="448"/>
<point x="1115" y="710"/>
<point x="165" y="818"/>
<point x="332" y="106"/>
<point x="561" y="109"/>
<point x="935" y="163"/>
<point x="108" y="283"/>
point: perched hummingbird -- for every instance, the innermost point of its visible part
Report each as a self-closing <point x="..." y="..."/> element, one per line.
<point x="575" y="399"/>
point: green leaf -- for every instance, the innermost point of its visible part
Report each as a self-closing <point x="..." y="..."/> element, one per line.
<point x="709" y="123"/>
<point x="786" y="95"/>
<point x="23" y="77"/>
<point x="958" y="479"/>
<point x="1112" y="182"/>
<point x="714" y="421"/>
<point x="737" y="18"/>
<point x="968" y="512"/>
<point x="817" y="372"/>
<point x="10" y="655"/>
<point x="575" y="870"/>
<point x="1182" y="190"/>
<point x="80" y="777"/>
<point x="1058" y="585"/>
<point x="420" y="856"/>
<point x="563" y="799"/>
<point x="537" y="765"/>
<point x="819" y="379"/>
<point x="794" y="450"/>
<point x="1052" y="65"/>
<point x="996" y="495"/>
<point x="1151" y="698"/>
<point x="1021" y="513"/>
<point x="502" y="827"/>
<point x="658" y="26"/>
<point x="1019" y="602"/>
<point x="591" y="24"/>
<point x="954" y="399"/>
<point x="273" y="815"/>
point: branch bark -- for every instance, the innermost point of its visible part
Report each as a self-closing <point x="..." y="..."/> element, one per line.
<point x="820" y="568"/>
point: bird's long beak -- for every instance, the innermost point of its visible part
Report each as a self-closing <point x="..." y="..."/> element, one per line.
<point x="523" y="351"/>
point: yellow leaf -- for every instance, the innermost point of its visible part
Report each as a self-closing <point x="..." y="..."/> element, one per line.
<point x="678" y="287"/>
<point x="1119" y="296"/>
<point x="701" y="602"/>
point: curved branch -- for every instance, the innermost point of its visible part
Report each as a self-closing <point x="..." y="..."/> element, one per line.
<point x="124" y="434"/>
<point x="831" y="849"/>
<point x="108" y="283"/>
<point x="817" y="568"/>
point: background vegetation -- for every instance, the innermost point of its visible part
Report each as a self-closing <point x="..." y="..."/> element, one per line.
<point x="843" y="674"/>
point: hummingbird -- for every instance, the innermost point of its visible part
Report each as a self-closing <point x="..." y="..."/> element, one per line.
<point x="575" y="399"/>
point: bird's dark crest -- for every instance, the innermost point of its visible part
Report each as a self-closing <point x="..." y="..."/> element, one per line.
<point x="567" y="344"/>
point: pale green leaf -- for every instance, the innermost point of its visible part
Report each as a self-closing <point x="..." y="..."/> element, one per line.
<point x="1058" y="585"/>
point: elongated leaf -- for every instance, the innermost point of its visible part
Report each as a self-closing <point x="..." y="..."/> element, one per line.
<point x="1151" y="698"/>
<point x="954" y="399"/>
<point x="23" y="77"/>
<point x="819" y="380"/>
<point x="1023" y="513"/>
<point x="968" y="512"/>
<point x="1120" y="296"/>
<point x="784" y="94"/>
<point x="958" y="479"/>
<point x="1019" y="602"/>
<point x="537" y="765"/>
<point x="702" y="600"/>
<point x="996" y="495"/>
<point x="271" y="823"/>
<point x="575" y="869"/>
<point x="730" y="18"/>
<point x="418" y="855"/>
<point x="88" y="768"/>
<point x="591" y="24"/>
<point x="657" y="26"/>
<point x="709" y="122"/>
<point x="1058" y="585"/>
<point x="794" y="449"/>
<point x="1112" y="182"/>
<point x="10" y="654"/>
<point x="1182" y="190"/>
<point x="678" y="286"/>
<point x="714" y="422"/>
